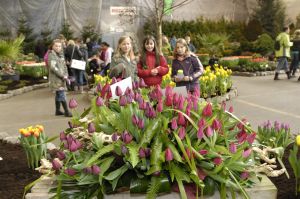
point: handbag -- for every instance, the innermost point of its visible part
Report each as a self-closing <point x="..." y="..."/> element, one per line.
<point x="78" y="64"/>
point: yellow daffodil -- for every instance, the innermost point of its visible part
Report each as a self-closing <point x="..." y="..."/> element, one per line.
<point x="298" y="140"/>
<point x="25" y="132"/>
<point x="40" y="127"/>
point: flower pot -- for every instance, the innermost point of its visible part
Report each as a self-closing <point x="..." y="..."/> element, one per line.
<point x="14" y="77"/>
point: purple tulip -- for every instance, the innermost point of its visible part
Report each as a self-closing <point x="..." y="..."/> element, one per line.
<point x="223" y="105"/>
<point x="142" y="83"/>
<point x="123" y="100"/>
<point x="95" y="169"/>
<point x="129" y="98"/>
<point x="217" y="161"/>
<point x="114" y="80"/>
<point x="70" y="172"/>
<point x="73" y="103"/>
<point x="250" y="138"/>
<point x="118" y="91"/>
<point x="169" y="91"/>
<point x="61" y="155"/>
<point x="135" y="85"/>
<point x="200" y="133"/>
<point x="230" y="109"/>
<point x="98" y="88"/>
<point x="188" y="152"/>
<point x="242" y="136"/>
<point x="160" y="106"/>
<point x="180" y="102"/>
<point x="244" y="175"/>
<point x="124" y="150"/>
<point x="203" y="152"/>
<point x="142" y="153"/>
<point x="232" y="147"/>
<point x="73" y="146"/>
<point x="209" y="131"/>
<point x="142" y="105"/>
<point x="114" y="137"/>
<point x="181" y="120"/>
<point x="134" y="119"/>
<point x="87" y="170"/>
<point x="246" y="153"/>
<point x="147" y="152"/>
<point x="56" y="164"/>
<point x="168" y="155"/>
<point x="91" y="127"/>
<point x="168" y="100"/>
<point x="201" y="174"/>
<point x="201" y="123"/>
<point x="62" y="136"/>
<point x="174" y="124"/>
<point x="207" y="110"/>
<point x="216" y="125"/>
<point x="99" y="101"/>
<point x="175" y="99"/>
<point x="138" y="98"/>
<point x="181" y="133"/>
<point x="126" y="137"/>
<point x="141" y="123"/>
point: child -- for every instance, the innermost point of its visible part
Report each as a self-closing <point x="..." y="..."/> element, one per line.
<point x="58" y="76"/>
<point x="188" y="64"/>
<point x="152" y="66"/>
<point x="123" y="63"/>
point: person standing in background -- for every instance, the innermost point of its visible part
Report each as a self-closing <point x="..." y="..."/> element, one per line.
<point x="190" y="45"/>
<point x="295" y="53"/>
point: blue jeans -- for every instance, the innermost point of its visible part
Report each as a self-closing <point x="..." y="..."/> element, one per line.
<point x="60" y="96"/>
<point x="79" y="75"/>
<point x="282" y="64"/>
<point x="295" y="61"/>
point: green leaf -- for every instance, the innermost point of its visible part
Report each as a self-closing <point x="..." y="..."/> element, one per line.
<point x="178" y="172"/>
<point x="104" y="166"/>
<point x="117" y="173"/>
<point x="153" y="188"/>
<point x="139" y="185"/>
<point x="133" y="153"/>
<point x="181" y="189"/>
<point x="151" y="130"/>
<point x="102" y="151"/>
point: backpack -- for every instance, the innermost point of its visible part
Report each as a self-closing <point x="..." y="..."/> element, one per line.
<point x="277" y="45"/>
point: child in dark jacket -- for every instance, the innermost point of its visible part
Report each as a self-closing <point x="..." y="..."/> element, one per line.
<point x="152" y="66"/>
<point x="189" y="65"/>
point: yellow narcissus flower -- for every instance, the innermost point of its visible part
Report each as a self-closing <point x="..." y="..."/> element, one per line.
<point x="40" y="127"/>
<point x="24" y="132"/>
<point x="298" y="140"/>
<point x="172" y="84"/>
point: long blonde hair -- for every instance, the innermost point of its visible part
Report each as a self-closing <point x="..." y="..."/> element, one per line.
<point x="183" y="42"/>
<point x="118" y="52"/>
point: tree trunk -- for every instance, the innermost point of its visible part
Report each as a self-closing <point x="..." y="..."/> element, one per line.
<point x="159" y="35"/>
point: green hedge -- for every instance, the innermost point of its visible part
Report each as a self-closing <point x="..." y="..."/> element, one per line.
<point x="32" y="71"/>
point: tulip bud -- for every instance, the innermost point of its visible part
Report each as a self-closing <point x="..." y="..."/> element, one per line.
<point x="168" y="155"/>
<point x="73" y="103"/>
<point x="209" y="131"/>
<point x="180" y="102"/>
<point x="123" y="100"/>
<point x="95" y="169"/>
<point x="230" y="109"/>
<point x="217" y="161"/>
<point x="232" y="147"/>
<point x="246" y="153"/>
<point x="129" y="99"/>
<point x="56" y="164"/>
<point x="91" y="127"/>
<point x="181" y="120"/>
<point x="181" y="133"/>
<point x="242" y="136"/>
<point x="87" y="170"/>
<point x="124" y="150"/>
<point x="188" y="153"/>
<point x="200" y="133"/>
<point x="61" y="155"/>
<point x="175" y="99"/>
<point x="201" y="123"/>
<point x="207" y="110"/>
<point x="73" y="146"/>
<point x="142" y="153"/>
<point x="99" y="101"/>
<point x="174" y="124"/>
<point x="244" y="175"/>
<point x="70" y="172"/>
<point x="216" y="125"/>
<point x="147" y="152"/>
<point x="114" y="137"/>
<point x="62" y="136"/>
<point x="203" y="152"/>
<point x="142" y="105"/>
<point x="168" y="100"/>
<point x="250" y="138"/>
<point x="168" y="90"/>
<point x="159" y="106"/>
<point x="223" y="105"/>
<point x="118" y="91"/>
<point x="201" y="174"/>
<point x="134" y="120"/>
<point x="142" y="83"/>
<point x="141" y="123"/>
<point x="126" y="137"/>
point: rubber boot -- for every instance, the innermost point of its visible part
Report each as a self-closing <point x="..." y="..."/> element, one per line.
<point x="65" y="106"/>
<point x="57" y="108"/>
<point x="288" y="75"/>
<point x="276" y="76"/>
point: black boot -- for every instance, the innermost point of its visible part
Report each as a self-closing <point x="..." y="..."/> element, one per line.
<point x="57" y="108"/>
<point x="276" y="76"/>
<point x="288" y="75"/>
<point x="67" y="112"/>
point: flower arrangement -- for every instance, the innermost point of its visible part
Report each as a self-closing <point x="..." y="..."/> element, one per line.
<point x="150" y="143"/>
<point x="294" y="160"/>
<point x="102" y="80"/>
<point x="167" y="81"/>
<point x="33" y="140"/>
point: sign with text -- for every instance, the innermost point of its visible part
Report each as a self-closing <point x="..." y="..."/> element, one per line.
<point x="121" y="10"/>
<point x="123" y="84"/>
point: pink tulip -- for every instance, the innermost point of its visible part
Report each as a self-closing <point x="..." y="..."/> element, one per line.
<point x="181" y="133"/>
<point x="216" y="125"/>
<point x="230" y="109"/>
<point x="203" y="152"/>
<point x="181" y="119"/>
<point x="174" y="124"/>
<point x="142" y="153"/>
<point x="201" y="174"/>
<point x="122" y="100"/>
<point x="207" y="110"/>
<point x="244" y="175"/>
<point x="168" y="155"/>
<point x="242" y="136"/>
<point x="99" y="101"/>
<point x="209" y="131"/>
<point x="169" y="91"/>
<point x="232" y="147"/>
<point x="217" y="161"/>
<point x="91" y="127"/>
<point x="246" y="153"/>
<point x="160" y="106"/>
<point x="141" y="123"/>
<point x="250" y="138"/>
<point x="73" y="103"/>
<point x="73" y="146"/>
<point x="180" y="102"/>
<point x="134" y="120"/>
<point x="118" y="91"/>
<point x="95" y="169"/>
<point x="70" y="172"/>
<point x="56" y="164"/>
<point x="201" y="123"/>
<point x="175" y="99"/>
<point x="241" y="125"/>
<point x="62" y="136"/>
<point x="200" y="133"/>
<point x="168" y="100"/>
<point x="142" y="83"/>
<point x="129" y="98"/>
<point x="197" y="92"/>
<point x="126" y="137"/>
<point x="61" y="155"/>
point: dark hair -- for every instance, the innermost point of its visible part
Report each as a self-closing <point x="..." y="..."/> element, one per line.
<point x="285" y="28"/>
<point x="104" y="43"/>
<point x="144" y="51"/>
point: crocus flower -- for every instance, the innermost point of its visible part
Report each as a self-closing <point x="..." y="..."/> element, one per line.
<point x="114" y="137"/>
<point x="99" y="101"/>
<point x="217" y="161"/>
<point x="62" y="136"/>
<point x="244" y="175"/>
<point x="200" y="133"/>
<point x="203" y="152"/>
<point x="246" y="153"/>
<point x="95" y="169"/>
<point x="209" y="131"/>
<point x="181" y="133"/>
<point x="142" y="153"/>
<point x="216" y="125"/>
<point x="142" y="83"/>
<point x="70" y="172"/>
<point x="56" y="164"/>
<point x="126" y="137"/>
<point x="73" y="103"/>
<point x="122" y="100"/>
<point x="174" y="124"/>
<point x="159" y="106"/>
<point x="230" y="109"/>
<point x="141" y="123"/>
<point x="232" y="147"/>
<point x="207" y="110"/>
<point x="61" y="155"/>
<point x="168" y="155"/>
<point x="91" y="127"/>
<point x="250" y="138"/>
<point x="181" y="120"/>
